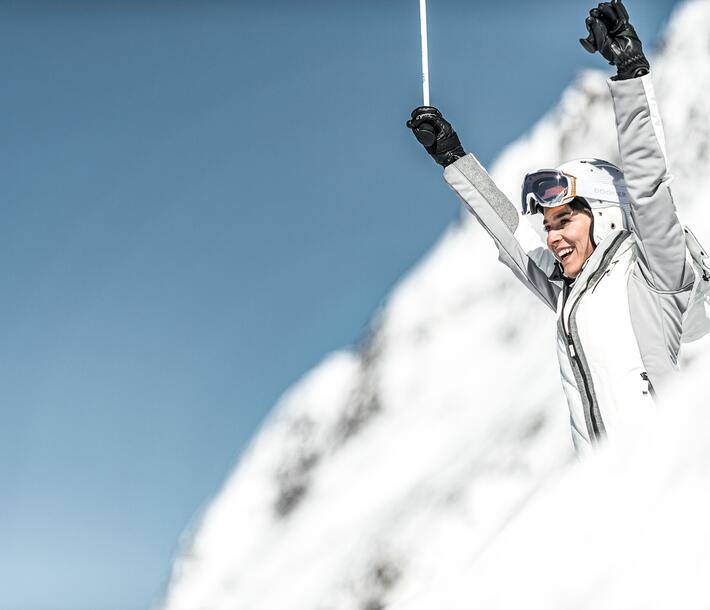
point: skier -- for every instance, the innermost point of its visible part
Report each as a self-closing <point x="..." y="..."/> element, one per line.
<point x="614" y="269"/>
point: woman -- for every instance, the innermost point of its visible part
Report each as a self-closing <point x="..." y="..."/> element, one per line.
<point x="615" y="267"/>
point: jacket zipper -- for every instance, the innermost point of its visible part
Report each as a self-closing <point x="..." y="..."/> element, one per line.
<point x="573" y="352"/>
<point x="585" y="382"/>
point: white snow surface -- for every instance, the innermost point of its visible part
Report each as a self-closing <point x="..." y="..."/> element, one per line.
<point x="433" y="467"/>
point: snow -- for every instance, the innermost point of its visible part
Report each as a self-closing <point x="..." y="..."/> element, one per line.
<point x="409" y="475"/>
<point x="625" y="530"/>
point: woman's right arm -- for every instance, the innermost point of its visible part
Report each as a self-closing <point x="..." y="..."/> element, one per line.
<point x="519" y="247"/>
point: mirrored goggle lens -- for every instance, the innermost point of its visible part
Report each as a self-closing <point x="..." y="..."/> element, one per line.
<point x="544" y="188"/>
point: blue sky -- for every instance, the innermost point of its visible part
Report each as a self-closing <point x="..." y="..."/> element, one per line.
<point x="200" y="200"/>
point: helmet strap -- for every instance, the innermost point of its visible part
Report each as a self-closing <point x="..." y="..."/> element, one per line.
<point x="591" y="230"/>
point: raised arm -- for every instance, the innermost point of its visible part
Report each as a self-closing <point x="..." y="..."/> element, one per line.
<point x="659" y="233"/>
<point x="642" y="147"/>
<point x="519" y="247"/>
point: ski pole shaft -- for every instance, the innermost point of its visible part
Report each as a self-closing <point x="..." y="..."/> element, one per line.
<point x="425" y="52"/>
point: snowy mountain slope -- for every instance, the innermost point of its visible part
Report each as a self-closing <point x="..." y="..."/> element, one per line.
<point x="627" y="530"/>
<point x="395" y="475"/>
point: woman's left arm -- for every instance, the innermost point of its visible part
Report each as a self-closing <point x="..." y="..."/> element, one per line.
<point x="642" y="147"/>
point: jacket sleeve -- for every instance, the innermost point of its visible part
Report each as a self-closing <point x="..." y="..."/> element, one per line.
<point x="642" y="147"/>
<point x="519" y="247"/>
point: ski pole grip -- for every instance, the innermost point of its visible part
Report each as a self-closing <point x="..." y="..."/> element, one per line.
<point x="425" y="134"/>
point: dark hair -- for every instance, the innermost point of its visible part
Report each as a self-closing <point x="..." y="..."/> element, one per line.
<point x="579" y="204"/>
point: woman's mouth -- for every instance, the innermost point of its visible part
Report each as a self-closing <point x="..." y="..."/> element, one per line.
<point x="564" y="253"/>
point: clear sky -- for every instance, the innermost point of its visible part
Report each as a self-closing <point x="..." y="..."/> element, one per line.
<point x="199" y="201"/>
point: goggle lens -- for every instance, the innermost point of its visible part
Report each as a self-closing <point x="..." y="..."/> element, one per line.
<point x="546" y="188"/>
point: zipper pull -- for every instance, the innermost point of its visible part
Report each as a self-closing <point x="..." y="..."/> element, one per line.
<point x="649" y="387"/>
<point x="607" y="272"/>
<point x="572" y="351"/>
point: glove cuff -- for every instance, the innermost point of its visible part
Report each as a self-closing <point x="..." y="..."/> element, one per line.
<point x="448" y="150"/>
<point x="450" y="157"/>
<point x="632" y="67"/>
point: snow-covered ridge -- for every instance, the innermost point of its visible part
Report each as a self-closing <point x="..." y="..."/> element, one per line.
<point x="401" y="474"/>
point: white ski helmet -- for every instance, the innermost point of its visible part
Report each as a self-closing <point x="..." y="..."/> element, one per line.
<point x="600" y="183"/>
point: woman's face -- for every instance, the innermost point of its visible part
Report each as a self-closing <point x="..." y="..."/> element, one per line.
<point x="568" y="237"/>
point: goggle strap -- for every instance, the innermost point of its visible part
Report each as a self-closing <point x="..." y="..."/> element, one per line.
<point x="604" y="192"/>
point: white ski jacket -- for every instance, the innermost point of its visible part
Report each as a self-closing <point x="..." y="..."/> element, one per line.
<point x="620" y="322"/>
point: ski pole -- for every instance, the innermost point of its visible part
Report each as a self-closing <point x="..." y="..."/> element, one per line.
<point x="425" y="52"/>
<point x="425" y="133"/>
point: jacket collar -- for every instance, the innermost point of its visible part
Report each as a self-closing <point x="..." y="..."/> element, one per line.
<point x="617" y="240"/>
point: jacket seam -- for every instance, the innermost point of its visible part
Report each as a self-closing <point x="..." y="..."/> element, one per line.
<point x="650" y="286"/>
<point x="656" y="301"/>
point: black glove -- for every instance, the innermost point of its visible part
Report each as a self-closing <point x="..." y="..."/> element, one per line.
<point x="436" y="135"/>
<point x="614" y="37"/>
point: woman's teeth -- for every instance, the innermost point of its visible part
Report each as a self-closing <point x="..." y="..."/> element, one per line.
<point x="563" y="254"/>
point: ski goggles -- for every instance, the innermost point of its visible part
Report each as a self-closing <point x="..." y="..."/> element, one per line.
<point x="549" y="188"/>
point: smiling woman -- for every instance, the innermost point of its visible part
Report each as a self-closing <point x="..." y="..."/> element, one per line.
<point x="569" y="235"/>
<point x="615" y="268"/>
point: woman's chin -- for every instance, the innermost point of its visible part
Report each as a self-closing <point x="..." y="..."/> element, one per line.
<point x="571" y="269"/>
